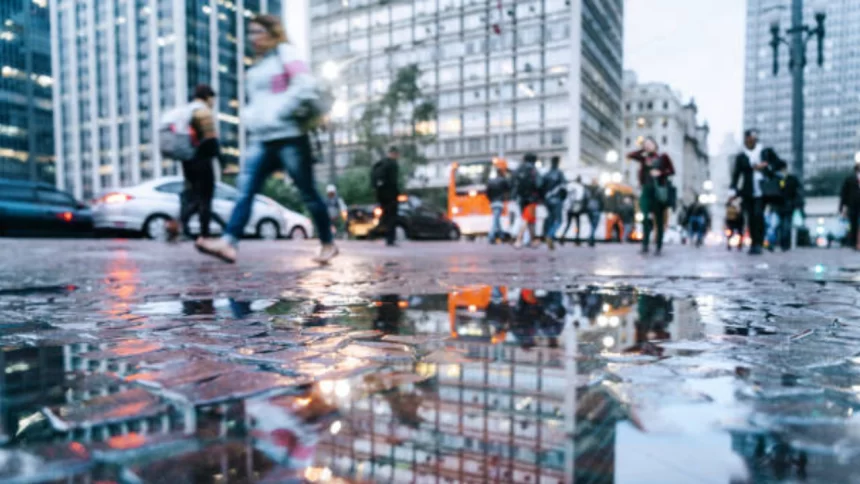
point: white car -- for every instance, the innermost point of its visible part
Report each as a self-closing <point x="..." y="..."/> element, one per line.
<point x="146" y="208"/>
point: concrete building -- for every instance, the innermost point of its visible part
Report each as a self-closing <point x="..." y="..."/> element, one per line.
<point x="832" y="92"/>
<point x="26" y="135"/>
<point x="490" y="72"/>
<point x="654" y="109"/>
<point x="119" y="64"/>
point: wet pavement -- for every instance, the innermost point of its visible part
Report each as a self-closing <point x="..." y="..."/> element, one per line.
<point x="135" y="362"/>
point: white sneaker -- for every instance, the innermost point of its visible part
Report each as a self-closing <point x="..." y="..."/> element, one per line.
<point x="327" y="253"/>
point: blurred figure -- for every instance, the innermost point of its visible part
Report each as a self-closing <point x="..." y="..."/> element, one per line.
<point x="388" y="314"/>
<point x="282" y="98"/>
<point x="576" y="201"/>
<point x="849" y="205"/>
<point x="755" y="165"/>
<point x="627" y="213"/>
<point x="499" y="192"/>
<point x="782" y="210"/>
<point x="593" y="208"/>
<point x="336" y="209"/>
<point x="554" y="188"/>
<point x="527" y="190"/>
<point x="385" y="177"/>
<point x="654" y="172"/>
<point x="734" y="226"/>
<point x="198" y="171"/>
<point x="698" y="221"/>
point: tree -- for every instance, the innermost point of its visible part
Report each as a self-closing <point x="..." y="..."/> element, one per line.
<point x="825" y="183"/>
<point x="409" y="117"/>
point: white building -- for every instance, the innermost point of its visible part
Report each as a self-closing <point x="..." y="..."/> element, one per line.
<point x="506" y="74"/>
<point x="655" y="110"/>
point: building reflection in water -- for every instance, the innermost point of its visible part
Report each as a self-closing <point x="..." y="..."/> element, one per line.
<point x="503" y="415"/>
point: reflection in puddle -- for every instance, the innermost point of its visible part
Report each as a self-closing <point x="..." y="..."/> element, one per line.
<point x="482" y="384"/>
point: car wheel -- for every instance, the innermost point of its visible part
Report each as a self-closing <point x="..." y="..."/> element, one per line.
<point x="454" y="234"/>
<point x="155" y="227"/>
<point x="268" y="230"/>
<point x="400" y="234"/>
<point x="298" y="233"/>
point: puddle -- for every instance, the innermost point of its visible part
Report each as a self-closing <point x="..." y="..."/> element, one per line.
<point x="480" y="384"/>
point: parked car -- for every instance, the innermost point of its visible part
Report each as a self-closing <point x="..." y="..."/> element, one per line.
<point x="29" y="209"/>
<point x="146" y="208"/>
<point x="414" y="221"/>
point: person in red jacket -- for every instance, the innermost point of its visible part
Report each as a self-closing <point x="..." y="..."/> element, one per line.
<point x="654" y="172"/>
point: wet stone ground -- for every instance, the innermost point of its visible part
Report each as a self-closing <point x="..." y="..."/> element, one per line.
<point x="135" y="362"/>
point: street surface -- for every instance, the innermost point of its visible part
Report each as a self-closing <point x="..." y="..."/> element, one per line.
<point x="136" y="361"/>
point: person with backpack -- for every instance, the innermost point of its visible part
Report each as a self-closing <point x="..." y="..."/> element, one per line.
<point x="575" y="207"/>
<point x="384" y="177"/>
<point x="498" y="192"/>
<point x="284" y="101"/>
<point x="527" y="190"/>
<point x="554" y="188"/>
<point x="655" y="168"/>
<point x="189" y="136"/>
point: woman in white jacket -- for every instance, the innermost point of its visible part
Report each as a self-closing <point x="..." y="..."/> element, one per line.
<point x="278" y="85"/>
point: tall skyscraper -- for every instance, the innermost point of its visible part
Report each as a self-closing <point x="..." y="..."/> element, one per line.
<point x="119" y="64"/>
<point x="26" y="135"/>
<point x="489" y="70"/>
<point x="832" y="91"/>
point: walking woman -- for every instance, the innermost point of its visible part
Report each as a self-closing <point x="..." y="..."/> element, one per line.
<point x="279" y="87"/>
<point x="655" y="168"/>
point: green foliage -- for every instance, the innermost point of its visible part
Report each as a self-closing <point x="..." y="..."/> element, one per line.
<point x="826" y="183"/>
<point x="405" y="110"/>
<point x="354" y="186"/>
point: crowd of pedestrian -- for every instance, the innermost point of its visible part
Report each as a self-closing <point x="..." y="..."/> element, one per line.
<point x="284" y="99"/>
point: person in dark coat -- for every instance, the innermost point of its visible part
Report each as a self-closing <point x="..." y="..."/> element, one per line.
<point x="791" y="199"/>
<point x="385" y="176"/>
<point x="654" y="172"/>
<point x="554" y="188"/>
<point x="849" y="205"/>
<point x="498" y="192"/>
<point x="754" y="164"/>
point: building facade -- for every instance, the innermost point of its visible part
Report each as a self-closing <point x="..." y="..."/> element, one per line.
<point x="832" y="104"/>
<point x="500" y="78"/>
<point x="120" y="64"/>
<point x="26" y="136"/>
<point x="655" y="110"/>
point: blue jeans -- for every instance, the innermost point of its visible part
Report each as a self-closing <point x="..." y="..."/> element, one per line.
<point x="293" y="155"/>
<point x="773" y="229"/>
<point x="593" y="219"/>
<point x="496" y="229"/>
<point x="697" y="229"/>
<point x="554" y="220"/>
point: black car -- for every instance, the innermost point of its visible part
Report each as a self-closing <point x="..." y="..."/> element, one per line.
<point x="414" y="221"/>
<point x="28" y="209"/>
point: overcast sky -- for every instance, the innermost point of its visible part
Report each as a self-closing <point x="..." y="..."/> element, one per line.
<point x="700" y="53"/>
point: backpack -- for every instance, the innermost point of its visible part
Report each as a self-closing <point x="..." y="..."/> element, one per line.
<point x="527" y="181"/>
<point x="315" y="102"/>
<point x="176" y="137"/>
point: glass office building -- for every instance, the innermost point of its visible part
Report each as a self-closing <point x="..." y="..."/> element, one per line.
<point x="832" y="92"/>
<point x="26" y="137"/>
<point x="471" y="55"/>
<point x="119" y="64"/>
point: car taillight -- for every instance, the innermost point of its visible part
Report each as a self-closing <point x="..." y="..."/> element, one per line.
<point x="115" y="198"/>
<point x="66" y="216"/>
<point x="377" y="212"/>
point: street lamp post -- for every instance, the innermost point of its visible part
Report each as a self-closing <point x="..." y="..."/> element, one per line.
<point x="799" y="35"/>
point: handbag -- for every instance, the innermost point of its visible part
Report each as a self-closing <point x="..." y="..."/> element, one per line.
<point x="771" y="188"/>
<point x="661" y="193"/>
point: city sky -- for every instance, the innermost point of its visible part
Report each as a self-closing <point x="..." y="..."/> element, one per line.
<point x="697" y="47"/>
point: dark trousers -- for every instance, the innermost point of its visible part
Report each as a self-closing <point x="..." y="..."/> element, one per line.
<point x="854" y="226"/>
<point x="197" y="196"/>
<point x="571" y="217"/>
<point x="389" y="220"/>
<point x="754" y="215"/>
<point x="784" y="230"/>
<point x="656" y="217"/>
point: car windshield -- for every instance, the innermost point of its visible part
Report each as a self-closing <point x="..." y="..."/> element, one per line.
<point x="473" y="175"/>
